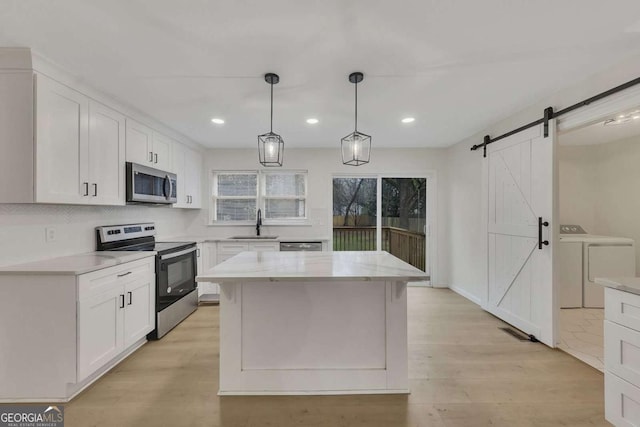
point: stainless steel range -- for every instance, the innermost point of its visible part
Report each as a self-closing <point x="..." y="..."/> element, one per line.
<point x="176" y="295"/>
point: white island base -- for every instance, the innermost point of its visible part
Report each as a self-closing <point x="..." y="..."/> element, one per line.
<point x="324" y="333"/>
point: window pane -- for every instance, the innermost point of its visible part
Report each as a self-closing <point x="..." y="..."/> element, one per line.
<point x="284" y="208"/>
<point x="284" y="185"/>
<point x="236" y="210"/>
<point x="237" y="184"/>
<point x="354" y="214"/>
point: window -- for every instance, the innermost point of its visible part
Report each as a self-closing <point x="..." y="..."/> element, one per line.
<point x="235" y="196"/>
<point x="281" y="195"/>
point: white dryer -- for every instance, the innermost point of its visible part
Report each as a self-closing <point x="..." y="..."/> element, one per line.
<point x="583" y="257"/>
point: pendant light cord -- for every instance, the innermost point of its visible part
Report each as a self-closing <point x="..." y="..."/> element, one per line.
<point x="271" y="126"/>
<point x="356" y="106"/>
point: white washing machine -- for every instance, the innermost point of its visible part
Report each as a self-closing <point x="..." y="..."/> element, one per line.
<point x="583" y="257"/>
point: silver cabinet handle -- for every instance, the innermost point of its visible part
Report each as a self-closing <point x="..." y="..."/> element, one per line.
<point x="95" y="189"/>
<point x="130" y="298"/>
<point x="198" y="252"/>
<point x="151" y="156"/>
<point x="124" y="274"/>
<point x="86" y="188"/>
<point x="156" y="157"/>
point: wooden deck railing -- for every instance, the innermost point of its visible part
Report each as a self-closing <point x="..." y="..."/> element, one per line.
<point x="406" y="245"/>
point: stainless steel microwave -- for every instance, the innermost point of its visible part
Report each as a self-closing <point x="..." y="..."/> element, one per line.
<point x="149" y="185"/>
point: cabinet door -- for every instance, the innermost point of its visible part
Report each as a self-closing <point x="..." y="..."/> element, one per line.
<point x="179" y="154"/>
<point x="62" y="122"/>
<point x="139" y="143"/>
<point x="100" y="323"/>
<point x="106" y="155"/>
<point x="162" y="152"/>
<point x="139" y="309"/>
<point x="194" y="175"/>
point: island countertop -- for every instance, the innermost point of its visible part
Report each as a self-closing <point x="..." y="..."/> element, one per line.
<point x="626" y="284"/>
<point x="356" y="265"/>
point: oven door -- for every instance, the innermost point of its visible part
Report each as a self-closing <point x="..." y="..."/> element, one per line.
<point x="176" y="276"/>
<point x="149" y="185"/>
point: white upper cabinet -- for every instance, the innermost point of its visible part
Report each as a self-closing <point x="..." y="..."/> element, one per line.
<point x="162" y="152"/>
<point x="62" y="145"/>
<point x="139" y="143"/>
<point x="106" y="155"/>
<point x="62" y="138"/>
<point x="193" y="178"/>
<point x="187" y="165"/>
<point x="147" y="147"/>
<point x="79" y="148"/>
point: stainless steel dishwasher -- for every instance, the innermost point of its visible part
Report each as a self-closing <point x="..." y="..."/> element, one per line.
<point x="300" y="246"/>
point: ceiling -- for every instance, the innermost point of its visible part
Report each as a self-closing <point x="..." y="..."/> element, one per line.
<point x="456" y="66"/>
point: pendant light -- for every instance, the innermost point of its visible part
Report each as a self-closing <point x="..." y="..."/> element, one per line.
<point x="356" y="147"/>
<point x="271" y="145"/>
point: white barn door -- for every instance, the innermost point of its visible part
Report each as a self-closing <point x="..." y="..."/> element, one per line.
<point x="520" y="201"/>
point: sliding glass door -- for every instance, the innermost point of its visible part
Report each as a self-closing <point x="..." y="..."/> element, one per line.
<point x="382" y="213"/>
<point x="404" y="219"/>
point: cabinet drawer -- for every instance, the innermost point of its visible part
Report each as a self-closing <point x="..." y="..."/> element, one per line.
<point x="99" y="281"/>
<point x="622" y="351"/>
<point x="232" y="248"/>
<point x="264" y="246"/>
<point x="622" y="307"/>
<point x="621" y="401"/>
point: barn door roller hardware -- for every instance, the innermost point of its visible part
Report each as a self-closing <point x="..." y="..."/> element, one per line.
<point x="550" y="114"/>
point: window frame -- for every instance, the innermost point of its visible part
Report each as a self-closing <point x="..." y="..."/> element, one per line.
<point x="261" y="197"/>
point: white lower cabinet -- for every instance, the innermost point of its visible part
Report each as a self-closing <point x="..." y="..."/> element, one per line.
<point x="100" y="333"/>
<point x="622" y="358"/>
<point x="115" y="310"/>
<point x="69" y="329"/>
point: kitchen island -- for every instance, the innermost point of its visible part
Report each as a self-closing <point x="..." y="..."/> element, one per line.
<point x="313" y="322"/>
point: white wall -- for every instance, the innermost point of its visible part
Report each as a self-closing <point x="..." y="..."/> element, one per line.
<point x="599" y="188"/>
<point x="322" y="164"/>
<point x="22" y="227"/>
<point x="466" y="248"/>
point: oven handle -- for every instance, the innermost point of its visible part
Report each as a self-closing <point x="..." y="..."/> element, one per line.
<point x="177" y="254"/>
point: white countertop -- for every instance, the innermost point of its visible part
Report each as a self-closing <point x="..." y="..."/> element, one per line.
<point x="360" y="265"/>
<point x="626" y="284"/>
<point x="77" y="264"/>
<point x="201" y="239"/>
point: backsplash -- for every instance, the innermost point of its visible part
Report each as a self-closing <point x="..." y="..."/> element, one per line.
<point x="23" y="237"/>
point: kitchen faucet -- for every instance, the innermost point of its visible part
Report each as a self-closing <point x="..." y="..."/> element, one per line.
<point x="258" y="222"/>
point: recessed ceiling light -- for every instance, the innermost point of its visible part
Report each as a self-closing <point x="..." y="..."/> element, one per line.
<point x="217" y="121"/>
<point x="312" y="121"/>
<point x="408" y="120"/>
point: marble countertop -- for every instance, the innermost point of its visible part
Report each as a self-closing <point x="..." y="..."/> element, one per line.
<point x="626" y="284"/>
<point x="361" y="265"/>
<point x="201" y="239"/>
<point x="76" y="264"/>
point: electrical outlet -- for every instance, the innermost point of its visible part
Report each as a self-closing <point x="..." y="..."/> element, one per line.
<point x="50" y="234"/>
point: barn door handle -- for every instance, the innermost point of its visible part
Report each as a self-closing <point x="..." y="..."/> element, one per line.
<point x="540" y="225"/>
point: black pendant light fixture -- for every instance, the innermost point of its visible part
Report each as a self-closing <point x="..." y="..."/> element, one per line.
<point x="356" y="147"/>
<point x="271" y="145"/>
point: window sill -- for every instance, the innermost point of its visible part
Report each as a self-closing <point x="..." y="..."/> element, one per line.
<point x="302" y="223"/>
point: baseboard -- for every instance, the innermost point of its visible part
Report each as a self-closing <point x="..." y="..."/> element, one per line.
<point x="466" y="294"/>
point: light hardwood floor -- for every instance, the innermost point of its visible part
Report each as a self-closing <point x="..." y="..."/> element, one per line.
<point x="464" y="371"/>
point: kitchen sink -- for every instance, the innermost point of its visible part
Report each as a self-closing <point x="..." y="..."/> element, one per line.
<point x="255" y="237"/>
